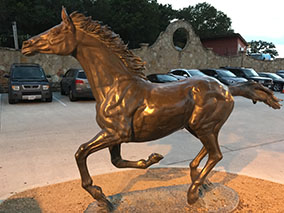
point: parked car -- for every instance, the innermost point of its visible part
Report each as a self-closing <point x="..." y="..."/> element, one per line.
<point x="250" y="74"/>
<point x="187" y="72"/>
<point x="75" y="84"/>
<point x="280" y="73"/>
<point x="278" y="82"/>
<point x="163" y="78"/>
<point x="261" y="56"/>
<point x="28" y="82"/>
<point x="224" y="76"/>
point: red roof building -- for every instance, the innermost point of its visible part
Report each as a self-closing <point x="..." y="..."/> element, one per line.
<point x="226" y="45"/>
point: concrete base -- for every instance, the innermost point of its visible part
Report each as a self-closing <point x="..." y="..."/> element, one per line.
<point x="171" y="199"/>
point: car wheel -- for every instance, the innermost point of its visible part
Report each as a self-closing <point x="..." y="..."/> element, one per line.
<point x="71" y="95"/>
<point x="48" y="99"/>
<point x="62" y="91"/>
<point x="277" y="87"/>
<point x="11" y="101"/>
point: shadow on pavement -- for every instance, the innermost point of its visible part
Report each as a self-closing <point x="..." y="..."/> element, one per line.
<point x="23" y="205"/>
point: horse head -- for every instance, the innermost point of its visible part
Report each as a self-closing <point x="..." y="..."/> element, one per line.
<point x="60" y="40"/>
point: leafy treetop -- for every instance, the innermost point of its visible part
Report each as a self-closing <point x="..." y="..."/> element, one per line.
<point x="136" y="21"/>
<point x="262" y="47"/>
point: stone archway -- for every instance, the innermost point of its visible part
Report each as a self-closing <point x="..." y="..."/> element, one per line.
<point x="165" y="54"/>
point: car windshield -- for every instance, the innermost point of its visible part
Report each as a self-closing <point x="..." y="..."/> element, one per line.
<point x="28" y="73"/>
<point x="82" y="74"/>
<point x="273" y="76"/>
<point x="225" y="73"/>
<point x="166" y="78"/>
<point x="250" y="72"/>
<point x="196" y="73"/>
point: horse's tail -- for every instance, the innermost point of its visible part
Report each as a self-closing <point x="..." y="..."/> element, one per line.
<point x="255" y="92"/>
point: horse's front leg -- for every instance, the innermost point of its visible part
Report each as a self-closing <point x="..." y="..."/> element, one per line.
<point x="100" y="141"/>
<point x="115" y="152"/>
<point x="211" y="144"/>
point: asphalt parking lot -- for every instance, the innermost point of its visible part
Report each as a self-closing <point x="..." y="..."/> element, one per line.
<point x="38" y="141"/>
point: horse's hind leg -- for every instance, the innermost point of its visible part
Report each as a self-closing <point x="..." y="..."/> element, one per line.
<point x="115" y="152"/>
<point x="195" y="163"/>
<point x="211" y="145"/>
<point x="100" y="141"/>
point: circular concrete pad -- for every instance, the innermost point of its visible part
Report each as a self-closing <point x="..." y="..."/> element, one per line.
<point x="173" y="199"/>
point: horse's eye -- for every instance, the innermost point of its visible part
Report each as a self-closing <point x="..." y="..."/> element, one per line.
<point x="65" y="28"/>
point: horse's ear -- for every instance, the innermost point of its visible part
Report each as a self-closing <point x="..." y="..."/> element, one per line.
<point x="64" y="15"/>
<point x="65" y="18"/>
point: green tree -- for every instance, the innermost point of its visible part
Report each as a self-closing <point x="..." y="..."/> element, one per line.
<point x="136" y="21"/>
<point x="31" y="16"/>
<point x="206" y="20"/>
<point x="262" y="47"/>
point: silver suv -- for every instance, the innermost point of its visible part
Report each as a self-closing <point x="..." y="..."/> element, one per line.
<point x="28" y="82"/>
<point x="75" y="84"/>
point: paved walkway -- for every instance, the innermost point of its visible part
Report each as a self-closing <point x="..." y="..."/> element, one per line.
<point x="41" y="152"/>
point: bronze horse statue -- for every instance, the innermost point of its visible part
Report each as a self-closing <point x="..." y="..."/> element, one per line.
<point x="132" y="109"/>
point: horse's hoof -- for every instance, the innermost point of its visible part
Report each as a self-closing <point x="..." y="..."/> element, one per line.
<point x="155" y="157"/>
<point x="192" y="196"/>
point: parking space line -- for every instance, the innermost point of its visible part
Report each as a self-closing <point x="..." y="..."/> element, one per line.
<point x="59" y="101"/>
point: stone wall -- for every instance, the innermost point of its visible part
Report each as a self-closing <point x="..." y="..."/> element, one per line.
<point x="163" y="56"/>
<point x="160" y="57"/>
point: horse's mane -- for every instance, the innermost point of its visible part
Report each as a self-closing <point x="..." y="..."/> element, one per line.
<point x="111" y="40"/>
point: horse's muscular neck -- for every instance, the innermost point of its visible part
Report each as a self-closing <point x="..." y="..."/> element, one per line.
<point x="102" y="68"/>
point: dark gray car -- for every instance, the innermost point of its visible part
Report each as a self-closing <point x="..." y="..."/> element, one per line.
<point x="278" y="82"/>
<point x="28" y="82"/>
<point x="280" y="73"/>
<point x="250" y="74"/>
<point x="224" y="76"/>
<point x="75" y="84"/>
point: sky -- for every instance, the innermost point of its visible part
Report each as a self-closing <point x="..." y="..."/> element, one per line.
<point x="253" y="19"/>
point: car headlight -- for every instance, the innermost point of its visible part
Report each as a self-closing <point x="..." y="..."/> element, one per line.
<point x="16" y="87"/>
<point x="45" y="87"/>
